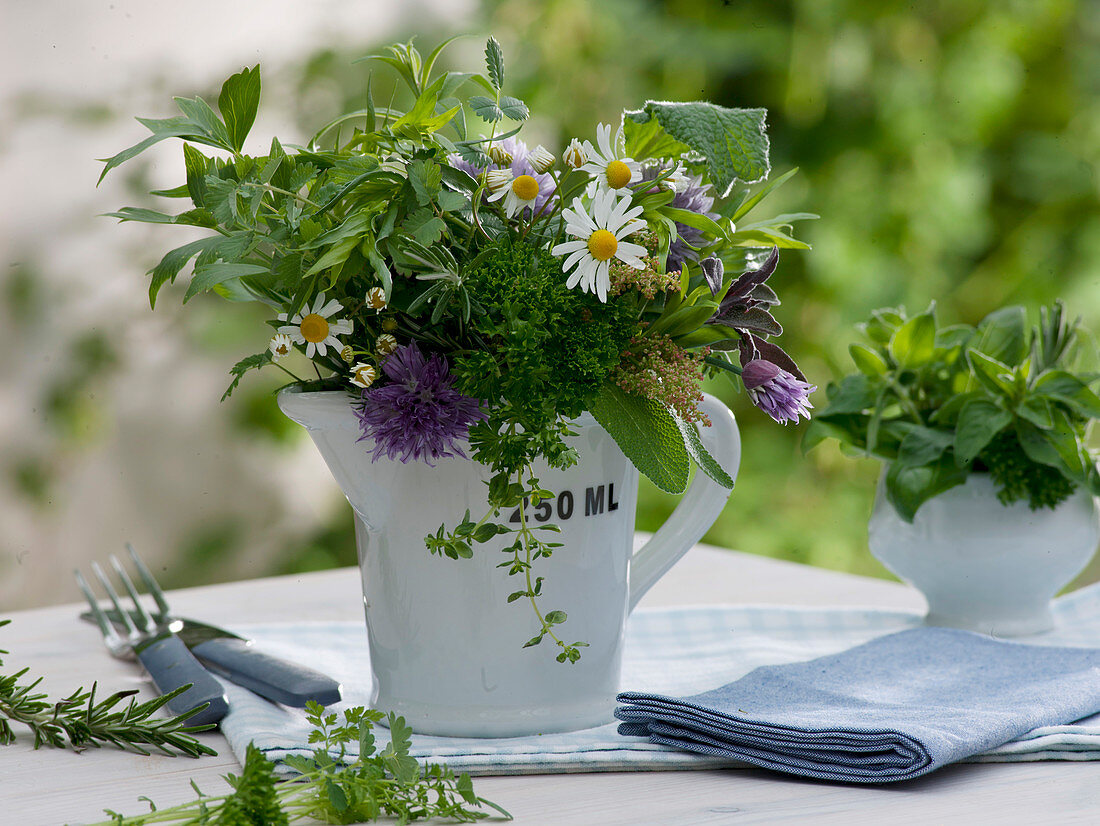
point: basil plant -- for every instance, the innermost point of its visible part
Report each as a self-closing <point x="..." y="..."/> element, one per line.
<point x="938" y="403"/>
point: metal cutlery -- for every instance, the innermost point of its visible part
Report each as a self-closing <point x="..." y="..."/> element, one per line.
<point x="234" y="657"/>
<point x="168" y="661"/>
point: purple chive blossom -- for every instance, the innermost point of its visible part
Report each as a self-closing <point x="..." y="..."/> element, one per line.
<point x="775" y="391"/>
<point x="416" y="414"/>
<point x="520" y="166"/>
<point x="695" y="197"/>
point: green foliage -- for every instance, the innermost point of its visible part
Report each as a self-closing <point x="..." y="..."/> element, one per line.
<point x="647" y="434"/>
<point x="733" y="141"/>
<point x="331" y="786"/>
<point x="78" y="722"/>
<point x="937" y="403"/>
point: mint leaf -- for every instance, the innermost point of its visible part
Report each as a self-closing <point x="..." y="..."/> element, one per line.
<point x="734" y="142"/>
<point x="647" y="434"/>
<point x="238" y="102"/>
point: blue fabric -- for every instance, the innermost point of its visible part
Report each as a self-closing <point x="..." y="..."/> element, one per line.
<point x="668" y="651"/>
<point x="892" y="709"/>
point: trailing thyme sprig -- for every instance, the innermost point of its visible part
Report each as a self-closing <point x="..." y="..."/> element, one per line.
<point x="380" y="783"/>
<point x="79" y="722"/>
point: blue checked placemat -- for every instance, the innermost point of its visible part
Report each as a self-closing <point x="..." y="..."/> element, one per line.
<point x="671" y="651"/>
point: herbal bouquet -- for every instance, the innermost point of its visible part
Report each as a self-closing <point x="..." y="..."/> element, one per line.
<point x="472" y="292"/>
<point x="938" y="403"/>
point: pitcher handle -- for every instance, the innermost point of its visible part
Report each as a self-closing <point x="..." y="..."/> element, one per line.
<point x="700" y="506"/>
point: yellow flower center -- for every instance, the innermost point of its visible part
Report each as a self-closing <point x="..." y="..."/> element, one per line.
<point x="525" y="188"/>
<point x="314" y="328"/>
<point x="602" y="244"/>
<point x="618" y="174"/>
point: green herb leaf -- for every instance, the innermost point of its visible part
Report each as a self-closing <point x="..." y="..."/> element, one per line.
<point x="647" y="434"/>
<point x="243" y="366"/>
<point x="979" y="421"/>
<point x="494" y="62"/>
<point x="486" y="108"/>
<point x="238" y="102"/>
<point x="515" y="109"/>
<point x="868" y="361"/>
<point x="698" y="451"/>
<point x="734" y="142"/>
<point x="1002" y="335"/>
<point x="907" y="488"/>
<point x="914" y="343"/>
<point x="1071" y="391"/>
<point x="208" y="276"/>
<point x="923" y="445"/>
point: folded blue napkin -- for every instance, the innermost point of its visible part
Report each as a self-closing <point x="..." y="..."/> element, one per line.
<point x="891" y="709"/>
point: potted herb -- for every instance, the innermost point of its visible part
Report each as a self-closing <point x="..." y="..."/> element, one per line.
<point x="986" y="499"/>
<point x="503" y="337"/>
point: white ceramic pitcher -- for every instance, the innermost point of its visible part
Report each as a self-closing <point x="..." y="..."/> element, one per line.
<point x="446" y="647"/>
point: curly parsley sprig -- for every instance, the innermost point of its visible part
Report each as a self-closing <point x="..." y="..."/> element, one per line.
<point x="79" y="722"/>
<point x="385" y="783"/>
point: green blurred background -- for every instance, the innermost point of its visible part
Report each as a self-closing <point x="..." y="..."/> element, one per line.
<point x="951" y="148"/>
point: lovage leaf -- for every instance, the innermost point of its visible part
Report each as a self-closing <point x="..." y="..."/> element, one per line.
<point x="647" y="434"/>
<point x="238" y="102"/>
<point x="733" y="141"/>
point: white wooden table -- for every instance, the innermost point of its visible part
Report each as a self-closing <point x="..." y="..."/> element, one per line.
<point x="52" y="786"/>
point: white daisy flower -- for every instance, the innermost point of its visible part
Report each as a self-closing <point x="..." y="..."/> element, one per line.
<point x="518" y="195"/>
<point x="376" y="298"/>
<point x="574" y="155"/>
<point x="280" y="346"/>
<point x="610" y="166"/>
<point x="385" y="344"/>
<point x="499" y="155"/>
<point x="363" y="375"/>
<point x="600" y="238"/>
<point x="540" y="159"/>
<point x="498" y="180"/>
<point x="316" y="329"/>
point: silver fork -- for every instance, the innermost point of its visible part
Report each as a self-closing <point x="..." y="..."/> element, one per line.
<point x="169" y="662"/>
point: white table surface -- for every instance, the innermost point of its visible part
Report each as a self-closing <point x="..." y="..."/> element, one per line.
<point x="53" y="786"/>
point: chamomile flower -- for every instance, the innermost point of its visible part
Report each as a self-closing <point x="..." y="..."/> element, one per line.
<point x="385" y="344"/>
<point x="574" y="155"/>
<point x="363" y="375"/>
<point x="518" y="195"/>
<point x="599" y="239"/>
<point x="499" y="155"/>
<point x="541" y="159"/>
<point x="376" y="298"/>
<point x="608" y="164"/>
<point x="316" y="329"/>
<point x="280" y="346"/>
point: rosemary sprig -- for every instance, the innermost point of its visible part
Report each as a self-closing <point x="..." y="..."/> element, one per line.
<point x="79" y="722"/>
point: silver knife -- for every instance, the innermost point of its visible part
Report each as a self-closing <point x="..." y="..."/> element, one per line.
<point x="235" y="657"/>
